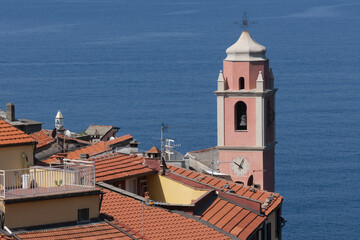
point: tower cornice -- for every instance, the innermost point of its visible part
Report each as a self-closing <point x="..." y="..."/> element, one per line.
<point x="242" y="93"/>
<point x="247" y="148"/>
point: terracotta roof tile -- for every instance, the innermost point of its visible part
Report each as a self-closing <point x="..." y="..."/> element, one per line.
<point x="235" y="220"/>
<point x="159" y="223"/>
<point x="224" y="211"/>
<point x="214" y="210"/>
<point x="243" y="224"/>
<point x="250" y="228"/>
<point x="10" y="135"/>
<point x="98" y="148"/>
<point x="229" y="216"/>
<point x="4" y="237"/>
<point x="86" y="232"/>
<point x="42" y="137"/>
<point x="118" y="165"/>
<point x="153" y="150"/>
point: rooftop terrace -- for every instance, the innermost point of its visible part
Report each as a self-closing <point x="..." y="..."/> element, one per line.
<point x="71" y="176"/>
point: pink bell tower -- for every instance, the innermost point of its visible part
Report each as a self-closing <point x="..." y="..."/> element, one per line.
<point x="246" y="115"/>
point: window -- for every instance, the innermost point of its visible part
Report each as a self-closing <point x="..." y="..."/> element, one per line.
<point x="250" y="181"/>
<point x="241" y="83"/>
<point x="83" y="215"/>
<point x="240" y="116"/>
<point x="130" y="185"/>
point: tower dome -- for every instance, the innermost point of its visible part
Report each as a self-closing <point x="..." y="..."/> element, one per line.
<point x="245" y="49"/>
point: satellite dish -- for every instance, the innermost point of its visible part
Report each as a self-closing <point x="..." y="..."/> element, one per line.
<point x="67" y="133"/>
<point x="250" y="180"/>
<point x="54" y="133"/>
<point x="111" y="138"/>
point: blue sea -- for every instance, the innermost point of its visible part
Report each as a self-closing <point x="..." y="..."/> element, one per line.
<point x="136" y="64"/>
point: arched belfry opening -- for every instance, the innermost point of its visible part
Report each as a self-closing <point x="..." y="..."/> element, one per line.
<point x="241" y="83"/>
<point x="240" y="116"/>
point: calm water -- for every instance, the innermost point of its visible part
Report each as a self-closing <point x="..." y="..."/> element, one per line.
<point x="135" y="64"/>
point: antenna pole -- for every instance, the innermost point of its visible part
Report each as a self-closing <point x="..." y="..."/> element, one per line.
<point x="212" y="162"/>
<point x="143" y="221"/>
<point x="162" y="162"/>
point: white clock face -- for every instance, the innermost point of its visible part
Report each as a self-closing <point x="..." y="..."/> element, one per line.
<point x="240" y="166"/>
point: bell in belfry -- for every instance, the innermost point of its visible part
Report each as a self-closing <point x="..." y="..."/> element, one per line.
<point x="243" y="122"/>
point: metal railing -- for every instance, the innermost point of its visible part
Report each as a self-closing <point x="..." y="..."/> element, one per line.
<point x="72" y="175"/>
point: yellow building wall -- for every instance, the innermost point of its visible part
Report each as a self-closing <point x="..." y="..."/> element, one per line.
<point x="11" y="157"/>
<point x="41" y="212"/>
<point x="163" y="189"/>
<point x="53" y="178"/>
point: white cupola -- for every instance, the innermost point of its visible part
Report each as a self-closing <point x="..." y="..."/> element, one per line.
<point x="245" y="49"/>
<point x="59" y="121"/>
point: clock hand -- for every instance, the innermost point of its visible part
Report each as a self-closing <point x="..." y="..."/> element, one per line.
<point x="242" y="163"/>
<point x="239" y="165"/>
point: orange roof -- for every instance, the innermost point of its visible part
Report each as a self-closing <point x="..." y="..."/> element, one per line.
<point x="117" y="165"/>
<point x="239" y="189"/>
<point x="153" y="150"/>
<point x="98" y="148"/>
<point x="10" y="135"/>
<point x="90" y="231"/>
<point x="4" y="237"/>
<point x="43" y="137"/>
<point x="159" y="223"/>
<point x="119" y="139"/>
<point x="233" y="213"/>
<point x="55" y="159"/>
<point x="232" y="218"/>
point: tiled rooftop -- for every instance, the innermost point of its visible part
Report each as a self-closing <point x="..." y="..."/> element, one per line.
<point x="43" y="137"/>
<point x="98" y="130"/>
<point x="55" y="159"/>
<point x="86" y="232"/>
<point x="4" y="237"/>
<point x="232" y="218"/>
<point x="159" y="223"/>
<point x="239" y="189"/>
<point x="153" y="150"/>
<point x="99" y="147"/>
<point x="10" y="135"/>
<point x="116" y="165"/>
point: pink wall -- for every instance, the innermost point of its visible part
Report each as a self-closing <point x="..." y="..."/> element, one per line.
<point x="240" y="137"/>
<point x="249" y="70"/>
<point x="254" y="69"/>
<point x="257" y="160"/>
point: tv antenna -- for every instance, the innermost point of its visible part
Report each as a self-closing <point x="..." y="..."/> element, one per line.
<point x="245" y="22"/>
<point x="168" y="147"/>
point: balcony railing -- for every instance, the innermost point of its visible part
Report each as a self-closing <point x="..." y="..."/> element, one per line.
<point x="72" y="176"/>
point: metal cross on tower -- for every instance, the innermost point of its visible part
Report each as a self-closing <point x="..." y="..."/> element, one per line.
<point x="245" y="22"/>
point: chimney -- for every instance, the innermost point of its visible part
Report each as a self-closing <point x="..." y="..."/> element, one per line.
<point x="10" y="112"/>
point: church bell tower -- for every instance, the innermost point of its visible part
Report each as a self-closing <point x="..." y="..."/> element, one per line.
<point x="246" y="115"/>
